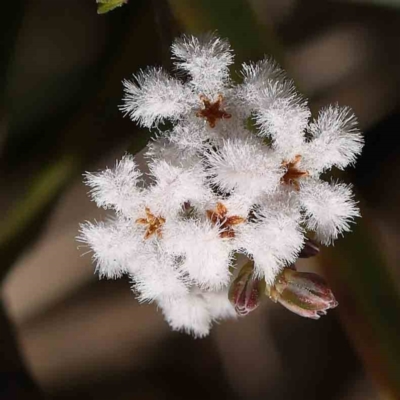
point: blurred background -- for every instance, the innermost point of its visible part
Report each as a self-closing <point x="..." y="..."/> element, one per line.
<point x="65" y="334"/>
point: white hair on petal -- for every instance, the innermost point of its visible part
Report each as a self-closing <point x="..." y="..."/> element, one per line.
<point x="257" y="77"/>
<point x="284" y="120"/>
<point x="195" y="312"/>
<point x="189" y="314"/>
<point x="329" y="208"/>
<point x="175" y="186"/>
<point x="219" y="305"/>
<point x="274" y="241"/>
<point x="206" y="59"/>
<point x="206" y="258"/>
<point x="117" y="188"/>
<point x="154" y="96"/>
<point x="244" y="166"/>
<point x="159" y="277"/>
<point x="112" y="244"/>
<point x="336" y="141"/>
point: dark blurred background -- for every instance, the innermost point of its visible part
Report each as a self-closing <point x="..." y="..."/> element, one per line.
<point x="64" y="333"/>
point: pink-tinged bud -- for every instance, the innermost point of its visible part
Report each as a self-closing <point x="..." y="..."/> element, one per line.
<point x="245" y="292"/>
<point x="303" y="293"/>
<point x="310" y="249"/>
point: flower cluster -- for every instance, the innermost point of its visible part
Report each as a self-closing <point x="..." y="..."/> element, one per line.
<point x="235" y="169"/>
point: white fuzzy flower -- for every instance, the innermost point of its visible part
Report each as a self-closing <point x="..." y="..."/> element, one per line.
<point x="238" y="172"/>
<point x="204" y="99"/>
<point x="335" y="141"/>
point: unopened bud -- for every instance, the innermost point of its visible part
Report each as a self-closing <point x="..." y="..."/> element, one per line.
<point x="310" y="249"/>
<point x="303" y="293"/>
<point x="246" y="291"/>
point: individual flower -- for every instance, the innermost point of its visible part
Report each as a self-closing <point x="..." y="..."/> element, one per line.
<point x="154" y="96"/>
<point x="131" y="242"/>
<point x="306" y="150"/>
<point x="234" y="173"/>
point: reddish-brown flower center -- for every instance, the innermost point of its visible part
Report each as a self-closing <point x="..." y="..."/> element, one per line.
<point x="293" y="173"/>
<point x="153" y="223"/>
<point x="219" y="217"/>
<point x="212" y="110"/>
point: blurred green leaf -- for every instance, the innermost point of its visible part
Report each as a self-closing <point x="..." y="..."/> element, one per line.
<point x="104" y="6"/>
<point x="43" y="190"/>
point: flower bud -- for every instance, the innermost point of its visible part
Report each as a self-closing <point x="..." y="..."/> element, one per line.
<point x="246" y="291"/>
<point x="310" y="249"/>
<point x="304" y="293"/>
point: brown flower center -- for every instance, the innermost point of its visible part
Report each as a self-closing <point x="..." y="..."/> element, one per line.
<point x="212" y="111"/>
<point x="219" y="217"/>
<point x="293" y="173"/>
<point x="153" y="223"/>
